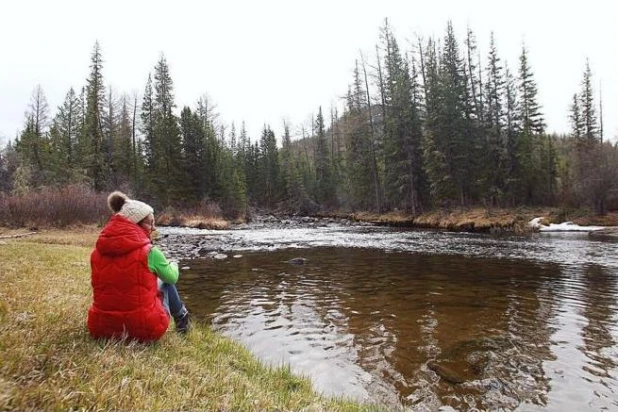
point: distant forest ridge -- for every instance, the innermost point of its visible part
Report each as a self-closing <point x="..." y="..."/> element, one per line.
<point x="425" y="128"/>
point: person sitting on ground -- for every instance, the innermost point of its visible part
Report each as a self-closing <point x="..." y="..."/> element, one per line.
<point x="133" y="284"/>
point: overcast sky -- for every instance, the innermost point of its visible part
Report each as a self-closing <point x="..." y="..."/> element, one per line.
<point x="262" y="61"/>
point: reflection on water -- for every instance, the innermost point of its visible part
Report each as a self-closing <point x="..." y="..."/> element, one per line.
<point x="424" y="330"/>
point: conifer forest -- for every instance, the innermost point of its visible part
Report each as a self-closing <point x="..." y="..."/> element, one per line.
<point x="444" y="123"/>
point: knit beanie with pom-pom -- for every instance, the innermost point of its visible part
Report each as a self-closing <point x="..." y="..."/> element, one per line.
<point x="134" y="210"/>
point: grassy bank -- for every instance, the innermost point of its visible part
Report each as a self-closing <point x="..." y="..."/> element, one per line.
<point x="49" y="362"/>
<point x="482" y="220"/>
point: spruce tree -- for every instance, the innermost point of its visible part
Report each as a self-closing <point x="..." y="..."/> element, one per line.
<point x="532" y="122"/>
<point x="575" y="118"/>
<point x="8" y="166"/>
<point x="453" y="136"/>
<point x="402" y="140"/>
<point x="359" y="153"/>
<point x="167" y="172"/>
<point x="147" y="116"/>
<point x="123" y="154"/>
<point x="588" y="111"/>
<point x="516" y="182"/>
<point x="442" y="187"/>
<point x="64" y="138"/>
<point x="33" y="143"/>
<point x="534" y="151"/>
<point x="193" y="150"/>
<point x="93" y="139"/>
<point x="495" y="126"/>
<point x="473" y="184"/>
<point x="110" y="131"/>
<point x="325" y="190"/>
<point x="213" y="150"/>
<point x="268" y="169"/>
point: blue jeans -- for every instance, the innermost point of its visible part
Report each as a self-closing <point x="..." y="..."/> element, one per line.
<point x="171" y="300"/>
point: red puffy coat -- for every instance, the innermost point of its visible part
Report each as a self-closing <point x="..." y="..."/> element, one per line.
<point x="126" y="299"/>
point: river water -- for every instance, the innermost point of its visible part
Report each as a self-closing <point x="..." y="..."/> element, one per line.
<point x="421" y="320"/>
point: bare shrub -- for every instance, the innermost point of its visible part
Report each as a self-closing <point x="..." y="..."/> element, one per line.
<point x="53" y="207"/>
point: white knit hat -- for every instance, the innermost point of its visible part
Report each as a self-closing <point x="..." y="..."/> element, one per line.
<point x="134" y="210"/>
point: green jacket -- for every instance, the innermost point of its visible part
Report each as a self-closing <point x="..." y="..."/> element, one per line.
<point x="159" y="265"/>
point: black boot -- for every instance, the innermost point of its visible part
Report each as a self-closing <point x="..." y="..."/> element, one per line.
<point x="182" y="321"/>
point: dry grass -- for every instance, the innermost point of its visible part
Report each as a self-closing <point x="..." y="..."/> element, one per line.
<point x="391" y="218"/>
<point x="475" y="220"/>
<point x="193" y="221"/>
<point x="468" y="219"/>
<point x="49" y="362"/>
<point x="76" y="236"/>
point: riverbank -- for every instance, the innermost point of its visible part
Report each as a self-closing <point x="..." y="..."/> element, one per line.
<point x="481" y="220"/>
<point x="49" y="362"/>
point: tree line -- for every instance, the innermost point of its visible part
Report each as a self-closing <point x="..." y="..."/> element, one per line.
<point x="436" y="126"/>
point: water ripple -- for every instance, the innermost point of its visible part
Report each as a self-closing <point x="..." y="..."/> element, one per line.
<point x="425" y="319"/>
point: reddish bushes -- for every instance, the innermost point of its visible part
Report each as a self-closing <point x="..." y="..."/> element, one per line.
<point x="75" y="204"/>
<point x="54" y="207"/>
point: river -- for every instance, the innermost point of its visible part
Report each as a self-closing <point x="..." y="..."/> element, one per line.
<point x="417" y="319"/>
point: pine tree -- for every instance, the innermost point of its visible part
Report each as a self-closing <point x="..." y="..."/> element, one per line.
<point x="590" y="160"/>
<point x="436" y="159"/>
<point x="268" y="168"/>
<point x="372" y="141"/>
<point x="513" y="170"/>
<point x="534" y="152"/>
<point x="532" y="122"/>
<point x="325" y="189"/>
<point x="64" y="137"/>
<point x="147" y="116"/>
<point x="549" y="168"/>
<point x="239" y="179"/>
<point x="93" y="140"/>
<point x="453" y="139"/>
<point x="123" y="154"/>
<point x="213" y="150"/>
<point x="403" y="131"/>
<point x="474" y="183"/>
<point x="473" y="81"/>
<point x="588" y="111"/>
<point x="193" y="143"/>
<point x="287" y="163"/>
<point x="495" y="125"/>
<point x="243" y="148"/>
<point x="110" y="131"/>
<point x="82" y="146"/>
<point x="33" y="144"/>
<point x="8" y="166"/>
<point x="575" y="117"/>
<point x="362" y="181"/>
<point x="167" y="173"/>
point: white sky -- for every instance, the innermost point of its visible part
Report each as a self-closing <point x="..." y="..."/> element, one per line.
<point x="262" y="61"/>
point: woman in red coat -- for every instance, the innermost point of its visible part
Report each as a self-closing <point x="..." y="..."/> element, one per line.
<point x="133" y="284"/>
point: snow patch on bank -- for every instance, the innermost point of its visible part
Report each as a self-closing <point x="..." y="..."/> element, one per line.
<point x="561" y="227"/>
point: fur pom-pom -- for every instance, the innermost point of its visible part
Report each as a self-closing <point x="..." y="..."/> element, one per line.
<point x="116" y="200"/>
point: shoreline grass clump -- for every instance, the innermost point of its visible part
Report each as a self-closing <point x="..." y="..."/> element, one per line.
<point x="49" y="361"/>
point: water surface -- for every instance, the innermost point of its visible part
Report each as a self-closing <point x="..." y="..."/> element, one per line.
<point x="422" y="319"/>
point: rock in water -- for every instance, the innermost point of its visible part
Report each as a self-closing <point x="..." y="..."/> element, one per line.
<point x="446" y="373"/>
<point x="297" y="261"/>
